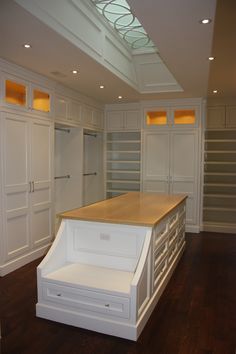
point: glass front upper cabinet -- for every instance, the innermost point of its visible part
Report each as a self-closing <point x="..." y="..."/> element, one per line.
<point x="171" y="117"/>
<point x="156" y="118"/>
<point x="184" y="116"/>
<point x="15" y="93"/>
<point x="41" y="100"/>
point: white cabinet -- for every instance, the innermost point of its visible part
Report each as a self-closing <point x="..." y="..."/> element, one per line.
<point x="221" y="117"/>
<point x="168" y="115"/>
<point x="123" y="120"/>
<point x="92" y="117"/>
<point x="108" y="275"/>
<point x="26" y="95"/>
<point x="219" y="197"/>
<point x="170" y="165"/>
<point x="27" y="189"/>
<point x="67" y="110"/>
<point x="123" y="162"/>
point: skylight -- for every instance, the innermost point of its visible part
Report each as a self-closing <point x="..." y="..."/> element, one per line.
<point x="120" y="17"/>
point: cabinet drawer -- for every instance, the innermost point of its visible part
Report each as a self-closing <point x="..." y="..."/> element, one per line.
<point x="160" y="235"/>
<point x="160" y="271"/>
<point x="172" y="252"/>
<point x="160" y="253"/>
<point x="87" y="300"/>
<point x="173" y="236"/>
<point x="173" y="221"/>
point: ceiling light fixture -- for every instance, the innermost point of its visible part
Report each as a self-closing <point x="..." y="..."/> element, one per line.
<point x="101" y="86"/>
<point x="205" y="21"/>
<point x="75" y="72"/>
<point x="215" y="91"/>
<point x="27" y="45"/>
<point x="211" y="58"/>
<point x="119" y="97"/>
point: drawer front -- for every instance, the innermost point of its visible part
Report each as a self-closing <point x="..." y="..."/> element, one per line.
<point x="161" y="234"/>
<point x="160" y="253"/>
<point x="87" y="300"/>
<point x="159" y="272"/>
<point x="172" y="252"/>
<point x="173" y="236"/>
<point x="173" y="221"/>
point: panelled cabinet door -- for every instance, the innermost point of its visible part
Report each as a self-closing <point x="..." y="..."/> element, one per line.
<point x="74" y="111"/>
<point x="132" y="120"/>
<point x="156" y="162"/>
<point x="15" y="137"/>
<point x="61" y="107"/>
<point x="215" y="117"/>
<point x="183" y="169"/>
<point x="41" y="177"/>
<point x="115" y="120"/>
<point x="231" y="117"/>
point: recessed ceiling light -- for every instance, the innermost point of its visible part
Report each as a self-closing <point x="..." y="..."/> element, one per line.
<point x="215" y="91"/>
<point x="119" y="97"/>
<point x="74" y="71"/>
<point x="27" y="45"/>
<point x="205" y="21"/>
<point x="101" y="86"/>
<point x="211" y="58"/>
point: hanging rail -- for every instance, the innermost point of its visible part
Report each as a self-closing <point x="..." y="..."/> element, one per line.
<point x="90" y="134"/>
<point x="63" y="130"/>
<point x="90" y="174"/>
<point x="60" y="177"/>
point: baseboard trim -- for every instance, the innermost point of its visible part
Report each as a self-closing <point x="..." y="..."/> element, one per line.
<point x="14" y="264"/>
<point x="224" y="228"/>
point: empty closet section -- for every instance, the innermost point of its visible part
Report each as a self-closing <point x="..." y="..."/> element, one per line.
<point x="219" y="203"/>
<point x="68" y="168"/>
<point x="93" y="163"/>
<point x="123" y="162"/>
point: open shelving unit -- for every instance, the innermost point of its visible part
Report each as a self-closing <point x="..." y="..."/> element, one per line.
<point x="219" y="200"/>
<point x="123" y="162"/>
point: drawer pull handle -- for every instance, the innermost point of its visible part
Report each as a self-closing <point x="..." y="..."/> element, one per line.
<point x="107" y="305"/>
<point x="59" y="294"/>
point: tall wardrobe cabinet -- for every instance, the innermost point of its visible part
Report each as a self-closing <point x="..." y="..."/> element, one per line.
<point x="26" y="153"/>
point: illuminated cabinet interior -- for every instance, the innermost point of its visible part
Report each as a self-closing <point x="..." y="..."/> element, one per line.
<point x="166" y="117"/>
<point x="156" y="118"/>
<point x="41" y="101"/>
<point x="184" y="116"/>
<point x="15" y="93"/>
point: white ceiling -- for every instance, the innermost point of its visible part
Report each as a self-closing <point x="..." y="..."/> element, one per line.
<point x="173" y="26"/>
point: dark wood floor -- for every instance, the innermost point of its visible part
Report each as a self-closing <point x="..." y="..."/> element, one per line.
<point x="196" y="313"/>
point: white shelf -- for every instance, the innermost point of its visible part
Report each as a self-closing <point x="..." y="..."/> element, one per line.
<point x="124" y="151"/>
<point x="110" y="280"/>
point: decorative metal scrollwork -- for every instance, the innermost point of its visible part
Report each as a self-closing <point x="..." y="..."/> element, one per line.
<point x="119" y="15"/>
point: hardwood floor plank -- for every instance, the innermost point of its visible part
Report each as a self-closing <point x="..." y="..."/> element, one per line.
<point x="195" y="315"/>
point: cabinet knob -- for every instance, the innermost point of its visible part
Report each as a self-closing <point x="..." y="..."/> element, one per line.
<point x="107" y="305"/>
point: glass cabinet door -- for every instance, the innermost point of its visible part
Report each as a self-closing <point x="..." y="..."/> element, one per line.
<point x="157" y="117"/>
<point x="184" y="116"/>
<point x="41" y="100"/>
<point x="15" y="93"/>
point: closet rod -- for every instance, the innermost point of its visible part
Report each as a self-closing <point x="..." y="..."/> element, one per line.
<point x="90" y="174"/>
<point x="90" y="134"/>
<point x="63" y="130"/>
<point x="60" y="177"/>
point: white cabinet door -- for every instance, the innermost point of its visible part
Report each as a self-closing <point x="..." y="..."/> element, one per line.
<point x="170" y="165"/>
<point x="41" y="177"/>
<point x="132" y="120"/>
<point x="183" y="169"/>
<point x="215" y="117"/>
<point x="115" y="120"/>
<point x="231" y="117"/>
<point x="27" y="181"/>
<point x="61" y="107"/>
<point x="156" y="162"/>
<point x="16" y="214"/>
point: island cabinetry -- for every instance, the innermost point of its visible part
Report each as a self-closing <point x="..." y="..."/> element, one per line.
<point x="106" y="270"/>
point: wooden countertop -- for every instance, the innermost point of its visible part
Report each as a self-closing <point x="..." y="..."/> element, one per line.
<point x="133" y="208"/>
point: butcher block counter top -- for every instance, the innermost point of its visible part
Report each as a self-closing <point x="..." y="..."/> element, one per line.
<point x="133" y="208"/>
